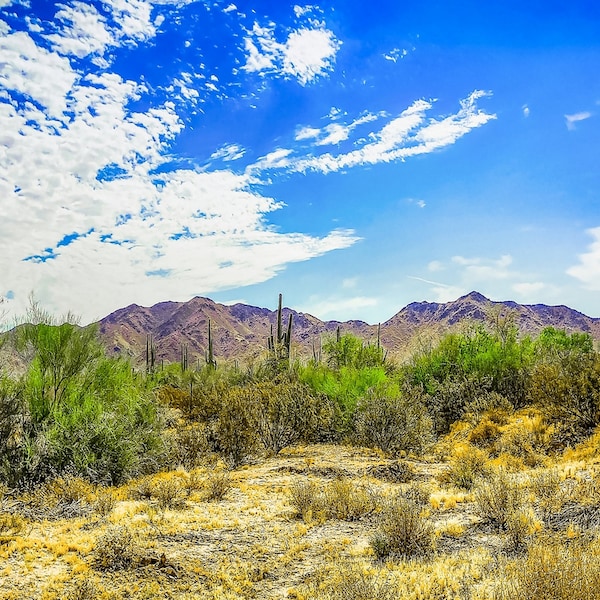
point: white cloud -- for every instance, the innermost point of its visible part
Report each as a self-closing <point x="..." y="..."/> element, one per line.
<point x="306" y="54"/>
<point x="481" y="269"/>
<point x="588" y="269"/>
<point x="395" y="54"/>
<point x="526" y="110"/>
<point x="409" y="134"/>
<point x="307" y="133"/>
<point x="230" y="8"/>
<point x="571" y="120"/>
<point x="228" y="152"/>
<point x="340" y="308"/>
<point x="86" y="222"/>
<point x="84" y="31"/>
<point x="435" y="265"/>
<point x="529" y="290"/>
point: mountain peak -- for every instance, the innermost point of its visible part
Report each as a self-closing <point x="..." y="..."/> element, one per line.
<point x="475" y="297"/>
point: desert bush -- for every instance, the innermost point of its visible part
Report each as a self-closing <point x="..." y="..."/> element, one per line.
<point x="350" y="583"/>
<point x="567" y="389"/>
<point x="520" y="525"/>
<point x="304" y="496"/>
<point x="340" y="499"/>
<point x="546" y="485"/>
<point x="403" y="531"/>
<point x="116" y="549"/>
<point x="106" y="500"/>
<point x="396" y="471"/>
<point x="393" y="424"/>
<point x="169" y="493"/>
<point x="87" y="588"/>
<point x="10" y="525"/>
<point x="345" y="500"/>
<point x="418" y="493"/>
<point x="496" y="499"/>
<point x="286" y="413"/>
<point x="553" y="571"/>
<point x="216" y="486"/>
<point x="467" y="464"/>
<point x="190" y="446"/>
<point x="233" y="434"/>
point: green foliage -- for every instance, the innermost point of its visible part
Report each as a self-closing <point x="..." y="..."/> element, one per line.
<point x="350" y="351"/>
<point x="75" y="411"/>
<point x="565" y="383"/>
<point x="463" y="367"/>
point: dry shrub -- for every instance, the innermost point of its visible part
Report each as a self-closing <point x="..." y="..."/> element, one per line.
<point x="485" y="433"/>
<point x="345" y="500"/>
<point x="10" y="525"/>
<point x="117" y="549"/>
<point x="216" y="486"/>
<point x="169" y="493"/>
<point x="546" y="485"/>
<point x="87" y="588"/>
<point x="497" y="498"/>
<point x="418" y="493"/>
<point x="350" y="583"/>
<point x="304" y="496"/>
<point x="191" y="446"/>
<point x="69" y="488"/>
<point x="553" y="571"/>
<point x="467" y="464"/>
<point x="527" y="436"/>
<point x="106" y="500"/>
<point x="403" y="531"/>
<point x="339" y="499"/>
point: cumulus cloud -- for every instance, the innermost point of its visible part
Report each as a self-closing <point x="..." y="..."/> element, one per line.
<point x="572" y="120"/>
<point x="92" y="216"/>
<point x="395" y="54"/>
<point x="307" y="53"/>
<point x="588" y="269"/>
<point x="529" y="289"/>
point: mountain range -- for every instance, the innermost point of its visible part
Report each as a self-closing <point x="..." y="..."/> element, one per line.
<point x="241" y="331"/>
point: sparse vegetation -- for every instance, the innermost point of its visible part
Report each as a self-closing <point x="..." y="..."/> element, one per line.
<point x="348" y="476"/>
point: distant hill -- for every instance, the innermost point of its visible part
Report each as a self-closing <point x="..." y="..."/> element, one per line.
<point x="241" y="331"/>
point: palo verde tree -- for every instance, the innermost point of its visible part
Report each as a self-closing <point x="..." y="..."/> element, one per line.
<point x="79" y="410"/>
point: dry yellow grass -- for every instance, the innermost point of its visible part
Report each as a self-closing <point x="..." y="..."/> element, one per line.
<point x="178" y="544"/>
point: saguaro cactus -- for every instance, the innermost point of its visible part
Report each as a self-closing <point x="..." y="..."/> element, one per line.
<point x="210" y="357"/>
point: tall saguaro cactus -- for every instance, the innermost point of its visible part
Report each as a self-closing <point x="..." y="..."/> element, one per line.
<point x="210" y="356"/>
<point x="280" y="346"/>
<point x="150" y="353"/>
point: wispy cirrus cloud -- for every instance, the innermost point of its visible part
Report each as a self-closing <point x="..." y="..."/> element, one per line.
<point x="572" y="120"/>
<point x="409" y="134"/>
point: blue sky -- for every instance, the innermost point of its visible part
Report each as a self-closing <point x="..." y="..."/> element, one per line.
<point x="354" y="156"/>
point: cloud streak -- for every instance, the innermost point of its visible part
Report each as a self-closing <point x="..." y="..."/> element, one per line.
<point x="407" y="135"/>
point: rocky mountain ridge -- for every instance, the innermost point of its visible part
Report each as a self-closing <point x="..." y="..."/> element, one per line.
<point x="241" y="331"/>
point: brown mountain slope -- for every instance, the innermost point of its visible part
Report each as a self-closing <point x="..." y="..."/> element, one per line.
<point x="241" y="331"/>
